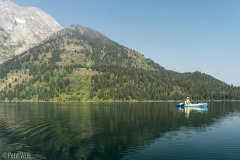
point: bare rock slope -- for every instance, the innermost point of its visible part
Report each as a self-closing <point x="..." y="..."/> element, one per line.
<point x="22" y="27"/>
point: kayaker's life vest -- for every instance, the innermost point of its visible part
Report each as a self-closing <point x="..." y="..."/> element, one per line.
<point x="187" y="101"/>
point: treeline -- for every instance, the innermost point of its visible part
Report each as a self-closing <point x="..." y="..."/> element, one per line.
<point x="26" y="91"/>
<point x="123" y="83"/>
<point x="46" y="82"/>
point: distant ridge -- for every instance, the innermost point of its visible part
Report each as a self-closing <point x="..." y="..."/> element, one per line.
<point x="22" y="28"/>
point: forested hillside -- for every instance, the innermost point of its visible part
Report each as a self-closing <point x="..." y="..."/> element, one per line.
<point x="80" y="64"/>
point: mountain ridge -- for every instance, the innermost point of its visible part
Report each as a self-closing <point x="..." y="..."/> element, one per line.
<point x="80" y="64"/>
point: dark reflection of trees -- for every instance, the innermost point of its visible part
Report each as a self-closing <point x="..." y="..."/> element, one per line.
<point x="140" y="123"/>
<point x="106" y="131"/>
<point x="129" y="126"/>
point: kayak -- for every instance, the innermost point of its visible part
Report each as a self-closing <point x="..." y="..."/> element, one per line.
<point x="200" y="105"/>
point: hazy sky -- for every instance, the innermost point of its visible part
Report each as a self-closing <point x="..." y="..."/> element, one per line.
<point x="180" y="35"/>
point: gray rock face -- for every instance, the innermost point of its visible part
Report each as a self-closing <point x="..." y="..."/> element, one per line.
<point x="22" y="28"/>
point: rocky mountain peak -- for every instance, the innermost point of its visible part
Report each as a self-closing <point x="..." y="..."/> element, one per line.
<point x="22" y="27"/>
<point x="85" y="31"/>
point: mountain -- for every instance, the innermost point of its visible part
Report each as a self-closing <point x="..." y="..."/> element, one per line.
<point x="80" y="64"/>
<point x="22" y="28"/>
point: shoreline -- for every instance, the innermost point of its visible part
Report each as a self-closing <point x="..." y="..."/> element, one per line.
<point x="119" y="101"/>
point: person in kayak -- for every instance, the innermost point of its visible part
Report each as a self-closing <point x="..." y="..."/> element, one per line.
<point x="187" y="101"/>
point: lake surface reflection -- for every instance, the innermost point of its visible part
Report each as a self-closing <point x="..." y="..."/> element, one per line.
<point x="119" y="131"/>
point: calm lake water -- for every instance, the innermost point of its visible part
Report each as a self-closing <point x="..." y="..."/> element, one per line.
<point x="118" y="131"/>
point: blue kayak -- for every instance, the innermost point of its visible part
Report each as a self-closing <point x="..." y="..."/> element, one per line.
<point x="200" y="105"/>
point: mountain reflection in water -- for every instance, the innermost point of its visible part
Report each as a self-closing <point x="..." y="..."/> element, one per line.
<point x="102" y="130"/>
